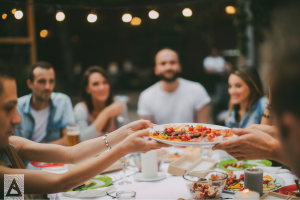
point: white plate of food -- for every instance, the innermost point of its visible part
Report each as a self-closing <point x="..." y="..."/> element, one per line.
<point x="235" y="182"/>
<point x="191" y="134"/>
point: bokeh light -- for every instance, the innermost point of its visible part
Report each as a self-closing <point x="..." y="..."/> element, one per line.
<point x="44" y="33"/>
<point x="136" y="21"/>
<point x="126" y="17"/>
<point x="153" y="14"/>
<point x="18" y="14"/>
<point x="13" y="11"/>
<point x="187" y="12"/>
<point x="92" y="18"/>
<point x="60" y="16"/>
<point x="4" y="15"/>
<point x="230" y="10"/>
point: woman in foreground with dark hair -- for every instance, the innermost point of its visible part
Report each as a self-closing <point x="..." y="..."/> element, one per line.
<point x="97" y="113"/>
<point x="247" y="101"/>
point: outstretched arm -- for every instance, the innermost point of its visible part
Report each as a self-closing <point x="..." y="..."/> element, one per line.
<point x="53" y="153"/>
<point x="255" y="142"/>
<point x="40" y="182"/>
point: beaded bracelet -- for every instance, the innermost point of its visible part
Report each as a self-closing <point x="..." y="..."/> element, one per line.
<point x="106" y="143"/>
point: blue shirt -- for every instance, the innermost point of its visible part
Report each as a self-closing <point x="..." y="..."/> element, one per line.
<point x="257" y="111"/>
<point x="61" y="113"/>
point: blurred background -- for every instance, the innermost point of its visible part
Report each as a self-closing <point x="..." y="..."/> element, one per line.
<point x="73" y="42"/>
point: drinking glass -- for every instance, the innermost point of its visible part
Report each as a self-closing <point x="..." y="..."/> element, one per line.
<point x="126" y="195"/>
<point x="124" y="161"/>
<point x="73" y="133"/>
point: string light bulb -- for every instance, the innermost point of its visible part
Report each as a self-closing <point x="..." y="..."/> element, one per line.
<point x="4" y="15"/>
<point x="127" y="17"/>
<point x="230" y="10"/>
<point x="18" y="14"/>
<point x="136" y="21"/>
<point x="153" y="14"/>
<point x="13" y="11"/>
<point x="92" y="17"/>
<point x="187" y="12"/>
<point x="44" y="33"/>
<point x="60" y="15"/>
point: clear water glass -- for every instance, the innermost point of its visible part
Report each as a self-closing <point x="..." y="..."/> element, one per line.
<point x="124" y="160"/>
<point x="126" y="195"/>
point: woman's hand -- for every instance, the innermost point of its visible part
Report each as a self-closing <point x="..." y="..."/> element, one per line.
<point x="120" y="134"/>
<point x="114" y="109"/>
<point x="254" y="142"/>
<point x="137" y="143"/>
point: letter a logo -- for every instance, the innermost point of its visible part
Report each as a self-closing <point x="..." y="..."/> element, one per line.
<point x="13" y="186"/>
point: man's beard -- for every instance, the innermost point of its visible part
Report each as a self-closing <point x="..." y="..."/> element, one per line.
<point x="42" y="99"/>
<point x="169" y="80"/>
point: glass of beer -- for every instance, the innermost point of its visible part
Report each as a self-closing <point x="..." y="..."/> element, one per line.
<point x="73" y="133"/>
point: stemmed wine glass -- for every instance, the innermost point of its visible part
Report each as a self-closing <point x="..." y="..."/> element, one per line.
<point x="124" y="161"/>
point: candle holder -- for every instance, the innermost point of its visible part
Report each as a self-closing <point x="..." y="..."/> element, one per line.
<point x="254" y="180"/>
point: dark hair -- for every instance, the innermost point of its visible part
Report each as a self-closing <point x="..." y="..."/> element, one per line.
<point x="167" y="48"/>
<point x="252" y="79"/>
<point x="41" y="64"/>
<point x="85" y="81"/>
<point x="285" y="82"/>
<point x="5" y="73"/>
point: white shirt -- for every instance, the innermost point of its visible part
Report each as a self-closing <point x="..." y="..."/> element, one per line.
<point x="214" y="63"/>
<point x="176" y="107"/>
<point x="41" y="121"/>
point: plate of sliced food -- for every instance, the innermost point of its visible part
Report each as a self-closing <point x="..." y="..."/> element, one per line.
<point x="235" y="165"/>
<point x="235" y="182"/>
<point x="191" y="134"/>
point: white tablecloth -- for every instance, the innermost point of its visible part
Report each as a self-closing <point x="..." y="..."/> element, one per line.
<point x="173" y="187"/>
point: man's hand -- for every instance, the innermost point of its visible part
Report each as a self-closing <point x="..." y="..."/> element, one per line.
<point x="253" y="143"/>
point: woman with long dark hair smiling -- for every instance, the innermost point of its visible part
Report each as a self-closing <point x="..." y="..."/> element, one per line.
<point x="96" y="114"/>
<point x="247" y="101"/>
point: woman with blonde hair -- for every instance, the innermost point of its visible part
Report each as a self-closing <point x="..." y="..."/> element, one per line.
<point x="247" y="102"/>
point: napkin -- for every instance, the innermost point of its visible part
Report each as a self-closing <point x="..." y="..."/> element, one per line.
<point x="99" y="192"/>
<point x="274" y="170"/>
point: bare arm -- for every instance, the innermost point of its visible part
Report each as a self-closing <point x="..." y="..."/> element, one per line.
<point x="53" y="153"/>
<point x="63" y="140"/>
<point x="265" y="120"/>
<point x="40" y="182"/>
<point x="202" y="115"/>
<point x="112" y="110"/>
<point x="255" y="142"/>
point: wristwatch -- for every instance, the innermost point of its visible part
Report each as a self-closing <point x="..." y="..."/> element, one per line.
<point x="106" y="143"/>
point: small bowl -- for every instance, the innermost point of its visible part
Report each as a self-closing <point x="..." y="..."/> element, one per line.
<point x="160" y="158"/>
<point x="201" y="185"/>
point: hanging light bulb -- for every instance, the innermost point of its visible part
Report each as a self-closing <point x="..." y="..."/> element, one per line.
<point x="153" y="14"/>
<point x="60" y="15"/>
<point x="4" y="15"/>
<point x="126" y="17"/>
<point x="230" y="10"/>
<point x="187" y="12"/>
<point x="136" y="21"/>
<point x="44" y="33"/>
<point x="13" y="11"/>
<point x="18" y="14"/>
<point x="92" y="17"/>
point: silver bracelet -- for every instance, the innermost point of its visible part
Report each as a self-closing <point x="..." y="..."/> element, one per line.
<point x="106" y="143"/>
